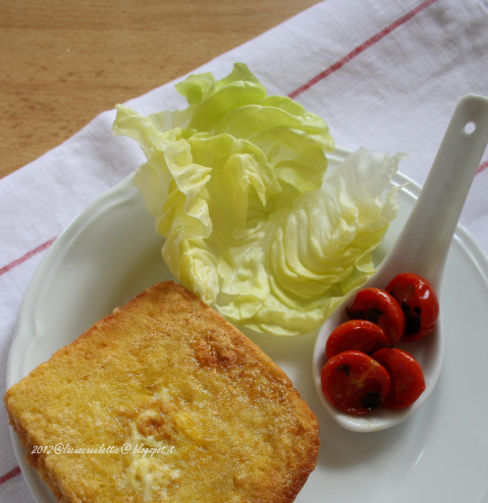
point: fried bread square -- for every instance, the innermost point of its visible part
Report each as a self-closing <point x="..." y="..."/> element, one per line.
<point x="164" y="400"/>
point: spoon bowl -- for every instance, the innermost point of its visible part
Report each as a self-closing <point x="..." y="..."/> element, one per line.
<point x="422" y="249"/>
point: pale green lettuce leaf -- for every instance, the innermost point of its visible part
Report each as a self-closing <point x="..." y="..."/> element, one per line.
<point x="235" y="183"/>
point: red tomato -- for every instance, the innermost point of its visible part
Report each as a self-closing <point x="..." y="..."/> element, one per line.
<point x="362" y="335"/>
<point x="354" y="382"/>
<point x="407" y="378"/>
<point x="381" y="308"/>
<point x="418" y="302"/>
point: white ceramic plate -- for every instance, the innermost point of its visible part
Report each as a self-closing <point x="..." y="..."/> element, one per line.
<point x="111" y="252"/>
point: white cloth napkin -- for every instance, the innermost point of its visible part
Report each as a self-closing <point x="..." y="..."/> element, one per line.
<point x="384" y="75"/>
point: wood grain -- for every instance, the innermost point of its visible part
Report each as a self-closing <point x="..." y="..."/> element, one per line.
<point x="62" y="62"/>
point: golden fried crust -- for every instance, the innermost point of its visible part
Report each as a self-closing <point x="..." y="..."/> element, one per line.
<point x="196" y="410"/>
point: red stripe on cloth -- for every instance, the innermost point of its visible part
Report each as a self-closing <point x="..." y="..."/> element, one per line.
<point x="27" y="256"/>
<point x="361" y="48"/>
<point x="10" y="475"/>
<point x="482" y="166"/>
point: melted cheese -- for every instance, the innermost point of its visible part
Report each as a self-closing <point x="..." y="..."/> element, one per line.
<point x="148" y="474"/>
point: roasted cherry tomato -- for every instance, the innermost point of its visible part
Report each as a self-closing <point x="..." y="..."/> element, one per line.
<point x="362" y="335"/>
<point x="407" y="378"/>
<point x="354" y="382"/>
<point x="380" y="307"/>
<point x="418" y="302"/>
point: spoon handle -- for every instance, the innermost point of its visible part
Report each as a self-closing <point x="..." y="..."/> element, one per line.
<point x="426" y="237"/>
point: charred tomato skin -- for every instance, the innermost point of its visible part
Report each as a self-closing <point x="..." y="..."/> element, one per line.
<point x="407" y="381"/>
<point x="354" y="382"/>
<point x="362" y="335"/>
<point x="419" y="303"/>
<point x="378" y="306"/>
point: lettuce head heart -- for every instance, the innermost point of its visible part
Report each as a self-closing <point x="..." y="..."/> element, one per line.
<point x="235" y="184"/>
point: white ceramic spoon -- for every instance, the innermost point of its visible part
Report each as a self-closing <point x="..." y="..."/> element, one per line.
<point x="422" y="249"/>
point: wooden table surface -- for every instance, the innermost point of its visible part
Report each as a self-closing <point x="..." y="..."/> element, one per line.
<point x="62" y="62"/>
